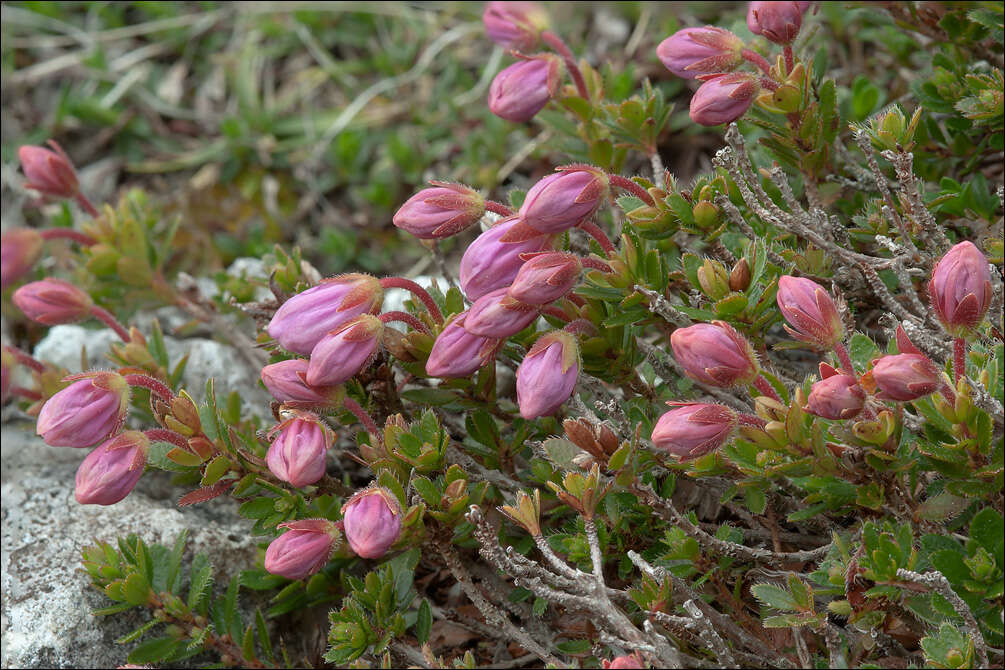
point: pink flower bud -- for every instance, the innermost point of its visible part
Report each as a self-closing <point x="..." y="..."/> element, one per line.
<point x="297" y="455"/>
<point x="522" y="90"/>
<point x="458" y="353"/>
<point x="343" y="352"/>
<point x="20" y="248"/>
<point x="372" y="522"/>
<point x="961" y="288"/>
<point x="714" y="353"/>
<point x="86" y="412"/>
<point x="442" y="211"/>
<point x="694" y="51"/>
<point x="905" y="377"/>
<point x="836" y="397"/>
<point x="776" y="21"/>
<point x="692" y="430"/>
<point x="724" y="99"/>
<point x="287" y="382"/>
<point x="629" y="662"/>
<point x="810" y="311"/>
<point x="565" y="199"/>
<point x="49" y="172"/>
<point x="110" y="472"/>
<point x="489" y="264"/>
<point x="547" y="375"/>
<point x="53" y="302"/>
<point x="546" y="278"/>
<point x="303" y="550"/>
<point x="301" y="322"/>
<point x="514" y="25"/>
<point x="498" y="316"/>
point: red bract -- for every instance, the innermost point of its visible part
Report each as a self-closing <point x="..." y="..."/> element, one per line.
<point x="547" y="375"/>
<point x="810" y="311"/>
<point x="694" y="51"/>
<point x="111" y="471"/>
<point x="441" y="211"/>
<point x="86" y="412"/>
<point x="566" y="199"/>
<point x="714" y="353"/>
<point x="692" y="430"/>
<point x="342" y="353"/>
<point x="776" y="21"/>
<point x="372" y="522"/>
<point x="960" y="288"/>
<point x="20" y="248"/>
<point x="303" y="549"/>
<point x="49" y="172"/>
<point x="522" y="90"/>
<point x="724" y="98"/>
<point x="514" y="25"/>
<point x="300" y="322"/>
<point x="53" y="302"/>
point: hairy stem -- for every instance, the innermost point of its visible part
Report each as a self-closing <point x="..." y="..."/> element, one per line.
<point x="86" y="205"/>
<point x="790" y="58"/>
<point x="67" y="234"/>
<point x="595" y="231"/>
<point x="757" y="59"/>
<point x="109" y="320"/>
<point x="24" y="358"/>
<point x="959" y="359"/>
<point x="498" y="208"/>
<point x="364" y="417"/>
<point x="169" y="436"/>
<point x="762" y="385"/>
<point x="556" y="43"/>
<point x="404" y="317"/>
<point x="842" y="353"/>
<point x="628" y="185"/>
<point x="418" y="292"/>
<point x="156" y="387"/>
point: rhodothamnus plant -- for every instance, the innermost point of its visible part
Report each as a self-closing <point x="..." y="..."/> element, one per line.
<point x="754" y="419"/>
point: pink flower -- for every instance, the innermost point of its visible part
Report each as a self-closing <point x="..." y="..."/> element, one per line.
<point x="342" y="353"/>
<point x="810" y="311"/>
<point x="960" y="288"/>
<point x="694" y="51"/>
<point x="300" y="322"/>
<point x="110" y="472"/>
<point x="514" y="25"/>
<point x="372" y="522"/>
<point x="714" y="353"/>
<point x="836" y="397"/>
<point x="287" y="382"/>
<point x="547" y="375"/>
<point x="497" y="315"/>
<point x="905" y="377"/>
<point x="297" y="455"/>
<point x="565" y="199"/>
<point x="546" y="278"/>
<point x="489" y="264"/>
<point x="20" y="248"/>
<point x="442" y="211"/>
<point x="303" y="550"/>
<point x="53" y="302"/>
<point x="86" y="412"/>
<point x="777" y="21"/>
<point x="49" y="172"/>
<point x="630" y="662"/>
<point x="724" y="99"/>
<point x="458" y="353"/>
<point x="692" y="430"/>
<point x="523" y="89"/>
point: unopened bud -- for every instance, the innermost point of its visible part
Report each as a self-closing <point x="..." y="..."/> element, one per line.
<point x="111" y="471"/>
<point x="694" y="51"/>
<point x="691" y="430"/>
<point x="547" y="375"/>
<point x="779" y="22"/>
<point x="372" y="522"/>
<point x="713" y="279"/>
<point x="49" y="172"/>
<point x="960" y="288"/>
<point x="303" y="550"/>
<point x="724" y="99"/>
<point x="53" y="302"/>
<point x="714" y="353"/>
<point x="441" y="211"/>
<point x="87" y="411"/>
<point x="739" y="277"/>
<point x="523" y="89"/>
<point x="514" y="25"/>
<point x="563" y="200"/>
<point x="298" y="453"/>
<point x="20" y="248"/>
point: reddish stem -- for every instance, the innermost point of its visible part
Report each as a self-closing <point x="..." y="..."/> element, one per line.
<point x="149" y="382"/>
<point x="594" y="231"/>
<point x="757" y="59"/>
<point x="551" y="310"/>
<point x="404" y="317"/>
<point x="24" y="359"/>
<point x="109" y="320"/>
<point x="498" y="208"/>
<point x="628" y="185"/>
<point x="842" y="353"/>
<point x="959" y="359"/>
<point x="418" y="292"/>
<point x="594" y="264"/>
<point x="790" y="58"/>
<point x="169" y="436"/>
<point x="86" y="205"/>
<point x="67" y="234"/>
<point x="765" y="387"/>
<point x="769" y="84"/>
<point x="556" y="43"/>
<point x="751" y="420"/>
<point x="364" y="417"/>
<point x="28" y="394"/>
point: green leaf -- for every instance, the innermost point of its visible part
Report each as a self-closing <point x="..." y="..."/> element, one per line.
<point x="775" y="597"/>
<point x="157" y="650"/>
<point x="424" y="622"/>
<point x="138" y="633"/>
<point x="174" y="565"/>
<point x="201" y="580"/>
<point x="263" y="634"/>
<point x="862" y="350"/>
<point x="136" y="589"/>
<point x="248" y="643"/>
<point x="232" y="618"/>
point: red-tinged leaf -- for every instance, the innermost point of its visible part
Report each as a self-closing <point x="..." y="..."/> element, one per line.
<point x="207" y="493"/>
